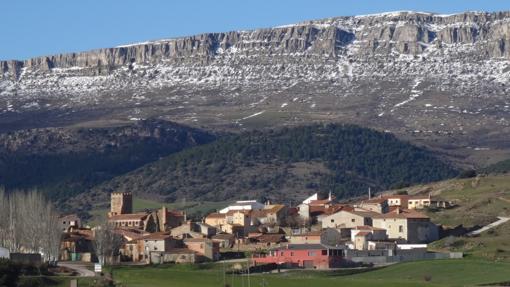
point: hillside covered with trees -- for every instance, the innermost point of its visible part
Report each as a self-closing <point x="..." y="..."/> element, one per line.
<point x="64" y="162"/>
<point x="286" y="165"/>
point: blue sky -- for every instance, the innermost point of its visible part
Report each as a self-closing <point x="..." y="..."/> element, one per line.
<point x="31" y="28"/>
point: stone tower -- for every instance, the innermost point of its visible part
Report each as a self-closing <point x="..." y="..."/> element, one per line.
<point x="121" y="203"/>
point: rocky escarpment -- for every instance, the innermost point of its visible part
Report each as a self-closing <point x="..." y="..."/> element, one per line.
<point x="442" y="80"/>
<point x="408" y="33"/>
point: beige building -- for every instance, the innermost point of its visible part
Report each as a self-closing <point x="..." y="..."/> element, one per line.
<point x="348" y="219"/>
<point x="273" y="213"/>
<point x="408" y="225"/>
<point x="418" y="202"/>
<point x="362" y="236"/>
<point x="409" y="201"/>
<point x="378" y="204"/>
<point x="216" y="219"/>
<point x="327" y="236"/>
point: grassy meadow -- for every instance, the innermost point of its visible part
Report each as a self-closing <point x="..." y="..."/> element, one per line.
<point x="461" y="272"/>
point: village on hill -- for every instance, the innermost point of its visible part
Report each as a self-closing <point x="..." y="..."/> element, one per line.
<point x="318" y="233"/>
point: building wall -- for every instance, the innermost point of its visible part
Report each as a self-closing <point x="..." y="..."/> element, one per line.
<point x="206" y="248"/>
<point x="215" y="221"/>
<point x="183" y="258"/>
<point x="395" y="227"/>
<point x="375" y="207"/>
<point x="121" y="203"/>
<point x="305" y="239"/>
<point x="394" y="201"/>
<point x="361" y="242"/>
<point x="300" y="258"/>
<point x="418" y="203"/>
<point x="422" y="231"/>
<point x="344" y="219"/>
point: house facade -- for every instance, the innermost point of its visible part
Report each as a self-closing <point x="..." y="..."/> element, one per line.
<point x="311" y="256"/>
<point x="348" y="219"/>
<point x="204" y="247"/>
<point x="408" y="225"/>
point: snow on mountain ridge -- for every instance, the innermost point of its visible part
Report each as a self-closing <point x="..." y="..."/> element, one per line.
<point x="348" y="69"/>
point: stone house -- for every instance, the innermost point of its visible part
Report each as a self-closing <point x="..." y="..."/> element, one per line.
<point x="204" y="247"/>
<point x="271" y="214"/>
<point x="361" y="236"/>
<point x="216" y="219"/>
<point x="142" y="220"/>
<point x="168" y="219"/>
<point x="224" y="240"/>
<point x="327" y="236"/>
<point x="348" y="219"/>
<point x="158" y="242"/>
<point x="377" y="204"/>
<point x="407" y="225"/>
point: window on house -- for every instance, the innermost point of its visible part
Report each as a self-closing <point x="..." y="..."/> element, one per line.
<point x="311" y="253"/>
<point x="353" y="220"/>
<point x="400" y="228"/>
<point x="324" y="252"/>
<point x="332" y="220"/>
<point x="281" y="253"/>
<point x="292" y="254"/>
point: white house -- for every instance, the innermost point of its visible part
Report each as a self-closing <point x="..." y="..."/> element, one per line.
<point x="243" y="205"/>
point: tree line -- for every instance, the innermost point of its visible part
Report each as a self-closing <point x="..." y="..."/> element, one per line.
<point x="29" y="223"/>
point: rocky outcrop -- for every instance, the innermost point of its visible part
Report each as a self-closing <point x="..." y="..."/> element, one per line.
<point x="376" y="35"/>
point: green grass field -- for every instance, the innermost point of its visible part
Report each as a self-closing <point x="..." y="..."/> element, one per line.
<point x="463" y="272"/>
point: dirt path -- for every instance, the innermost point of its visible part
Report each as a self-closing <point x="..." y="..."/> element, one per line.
<point x="79" y="267"/>
<point x="489" y="226"/>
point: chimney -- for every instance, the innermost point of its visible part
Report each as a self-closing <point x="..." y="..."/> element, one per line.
<point x="398" y="210"/>
<point x="329" y="196"/>
<point x="369" y="193"/>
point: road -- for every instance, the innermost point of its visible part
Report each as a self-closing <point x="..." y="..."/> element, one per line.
<point x="489" y="226"/>
<point x="79" y="267"/>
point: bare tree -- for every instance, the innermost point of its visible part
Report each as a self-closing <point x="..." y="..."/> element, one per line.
<point x="29" y="223"/>
<point x="107" y="243"/>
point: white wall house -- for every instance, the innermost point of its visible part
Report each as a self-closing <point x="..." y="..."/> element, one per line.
<point x="243" y="205"/>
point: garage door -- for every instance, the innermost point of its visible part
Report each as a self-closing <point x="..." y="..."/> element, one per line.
<point x="308" y="264"/>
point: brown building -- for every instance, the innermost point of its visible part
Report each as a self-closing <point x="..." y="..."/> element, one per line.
<point x="143" y="221"/>
<point x="121" y="203"/>
<point x="169" y="219"/>
<point x="204" y="247"/>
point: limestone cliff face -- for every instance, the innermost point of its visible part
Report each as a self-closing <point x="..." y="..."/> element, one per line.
<point x="377" y="35"/>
